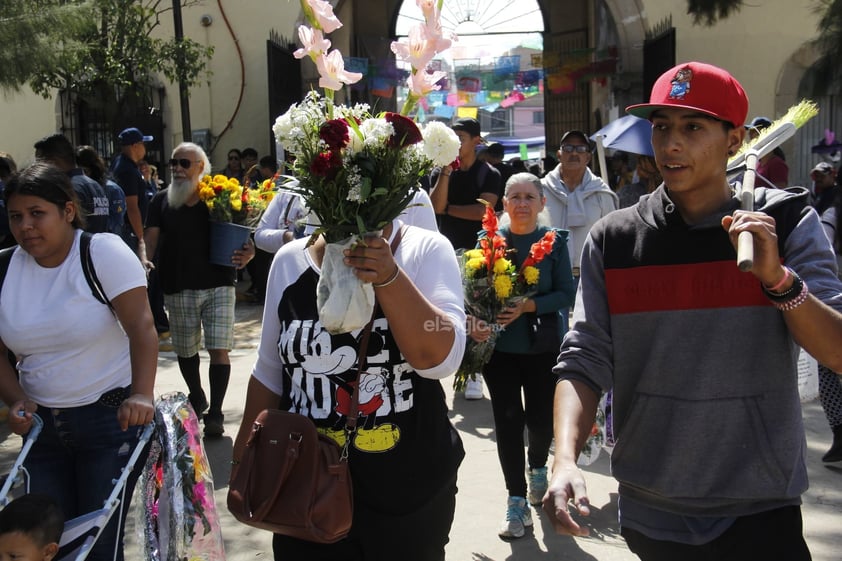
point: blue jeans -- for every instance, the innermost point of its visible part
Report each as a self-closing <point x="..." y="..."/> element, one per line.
<point x="77" y="457"/>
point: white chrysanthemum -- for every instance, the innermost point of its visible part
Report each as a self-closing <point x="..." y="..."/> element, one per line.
<point x="355" y="143"/>
<point x="441" y="145"/>
<point x="283" y="125"/>
<point x="376" y="131"/>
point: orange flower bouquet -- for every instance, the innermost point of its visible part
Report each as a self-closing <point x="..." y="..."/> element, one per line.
<point x="491" y="283"/>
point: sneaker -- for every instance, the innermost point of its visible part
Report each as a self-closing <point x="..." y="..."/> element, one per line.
<point x="214" y="423"/>
<point x="518" y="517"/>
<point x="473" y="388"/>
<point x="537" y="485"/>
<point x="199" y="404"/>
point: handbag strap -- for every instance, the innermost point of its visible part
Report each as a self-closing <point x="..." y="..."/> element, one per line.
<point x="293" y="453"/>
<point x="352" y="417"/>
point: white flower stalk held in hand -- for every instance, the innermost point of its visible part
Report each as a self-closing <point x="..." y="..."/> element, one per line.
<point x="424" y="42"/>
<point x="331" y="65"/>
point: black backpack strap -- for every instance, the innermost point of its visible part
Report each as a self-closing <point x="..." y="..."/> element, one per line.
<point x="89" y="270"/>
<point x="289" y="206"/>
<point x="5" y="259"/>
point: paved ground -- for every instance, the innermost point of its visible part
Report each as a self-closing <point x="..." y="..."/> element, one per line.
<point x="481" y="499"/>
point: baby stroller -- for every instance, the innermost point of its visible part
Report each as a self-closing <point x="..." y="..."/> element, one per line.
<point x="80" y="533"/>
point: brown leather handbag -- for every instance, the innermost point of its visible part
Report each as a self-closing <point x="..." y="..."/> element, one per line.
<point x="293" y="480"/>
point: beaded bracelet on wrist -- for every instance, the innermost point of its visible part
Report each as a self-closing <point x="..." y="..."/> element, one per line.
<point x="792" y="292"/>
<point x="793" y="303"/>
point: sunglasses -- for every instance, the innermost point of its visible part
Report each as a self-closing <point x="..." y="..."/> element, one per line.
<point x="569" y="148"/>
<point x="233" y="158"/>
<point x="183" y="162"/>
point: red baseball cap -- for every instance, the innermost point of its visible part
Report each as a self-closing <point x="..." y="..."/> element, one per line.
<point x="700" y="87"/>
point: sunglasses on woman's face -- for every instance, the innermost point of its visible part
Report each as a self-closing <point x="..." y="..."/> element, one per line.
<point x="183" y="162"/>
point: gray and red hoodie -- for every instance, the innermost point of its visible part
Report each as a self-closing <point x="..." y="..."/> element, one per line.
<point x="706" y="409"/>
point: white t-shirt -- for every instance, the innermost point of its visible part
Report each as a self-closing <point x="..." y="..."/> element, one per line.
<point x="276" y="221"/>
<point x="71" y="347"/>
<point x="426" y="257"/>
<point x="420" y="212"/>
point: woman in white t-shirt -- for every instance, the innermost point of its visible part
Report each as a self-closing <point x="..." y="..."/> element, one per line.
<point x="88" y="372"/>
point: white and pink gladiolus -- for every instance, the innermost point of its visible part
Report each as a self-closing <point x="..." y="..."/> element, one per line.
<point x="421" y="83"/>
<point x="332" y="71"/>
<point x="432" y="24"/>
<point x="320" y="15"/>
<point x="430" y="8"/>
<point x="313" y="41"/>
<point x="418" y="51"/>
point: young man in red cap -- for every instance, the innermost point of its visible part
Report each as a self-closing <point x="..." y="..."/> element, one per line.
<point x="701" y="357"/>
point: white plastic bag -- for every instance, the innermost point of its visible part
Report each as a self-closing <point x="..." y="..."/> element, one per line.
<point x="344" y="302"/>
<point x="808" y="377"/>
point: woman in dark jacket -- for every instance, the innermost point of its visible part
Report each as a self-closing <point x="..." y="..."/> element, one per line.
<point x="525" y="353"/>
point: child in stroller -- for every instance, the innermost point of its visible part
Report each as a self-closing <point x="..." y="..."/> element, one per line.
<point x="78" y="536"/>
<point x="30" y="529"/>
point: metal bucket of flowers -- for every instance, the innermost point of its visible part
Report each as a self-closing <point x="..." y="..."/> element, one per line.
<point x="234" y="212"/>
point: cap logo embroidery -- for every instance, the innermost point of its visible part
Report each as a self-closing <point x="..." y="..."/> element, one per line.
<point x="681" y="84"/>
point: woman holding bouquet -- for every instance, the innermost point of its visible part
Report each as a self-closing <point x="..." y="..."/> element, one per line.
<point x="526" y="349"/>
<point x="405" y="453"/>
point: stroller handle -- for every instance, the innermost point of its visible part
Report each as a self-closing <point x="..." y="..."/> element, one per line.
<point x="14" y="473"/>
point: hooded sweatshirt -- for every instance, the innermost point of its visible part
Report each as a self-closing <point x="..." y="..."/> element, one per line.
<point x="707" y="416"/>
<point x="577" y="210"/>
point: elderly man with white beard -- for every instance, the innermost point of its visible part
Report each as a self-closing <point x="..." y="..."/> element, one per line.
<point x="198" y="295"/>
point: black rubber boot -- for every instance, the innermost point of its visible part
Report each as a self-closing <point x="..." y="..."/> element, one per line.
<point x="835" y="452"/>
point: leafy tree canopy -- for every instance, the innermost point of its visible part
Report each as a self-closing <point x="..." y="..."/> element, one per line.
<point x="826" y="74"/>
<point x="93" y="46"/>
<point x="708" y="12"/>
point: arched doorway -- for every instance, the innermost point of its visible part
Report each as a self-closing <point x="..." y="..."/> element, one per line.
<point x="795" y="82"/>
<point x="494" y="70"/>
<point x="595" y="54"/>
<point x="588" y="64"/>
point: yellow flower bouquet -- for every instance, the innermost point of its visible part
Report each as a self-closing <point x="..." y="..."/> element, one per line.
<point x="491" y="283"/>
<point x="234" y="211"/>
<point x="229" y="201"/>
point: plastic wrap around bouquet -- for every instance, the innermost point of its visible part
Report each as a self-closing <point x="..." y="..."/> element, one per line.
<point x="179" y="521"/>
<point x="344" y="302"/>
